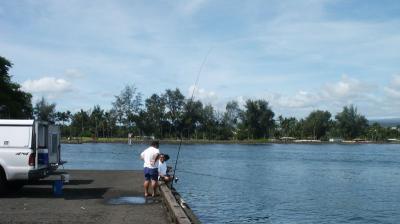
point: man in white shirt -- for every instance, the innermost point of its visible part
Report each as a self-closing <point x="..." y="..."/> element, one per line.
<point x="150" y="157"/>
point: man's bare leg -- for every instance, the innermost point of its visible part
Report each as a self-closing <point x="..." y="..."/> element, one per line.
<point x="146" y="188"/>
<point x="154" y="186"/>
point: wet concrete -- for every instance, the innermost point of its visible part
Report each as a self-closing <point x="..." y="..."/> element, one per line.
<point x="128" y="200"/>
<point x="89" y="197"/>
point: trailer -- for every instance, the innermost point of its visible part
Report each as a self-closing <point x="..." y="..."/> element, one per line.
<point x="29" y="150"/>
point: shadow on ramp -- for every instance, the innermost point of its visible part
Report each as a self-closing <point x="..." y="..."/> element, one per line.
<point x="68" y="193"/>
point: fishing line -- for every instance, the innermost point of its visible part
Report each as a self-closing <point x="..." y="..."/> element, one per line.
<point x="215" y="176"/>
<point x="189" y="105"/>
<point x="224" y="178"/>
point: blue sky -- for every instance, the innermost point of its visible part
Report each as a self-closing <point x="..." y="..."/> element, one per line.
<point x="298" y="55"/>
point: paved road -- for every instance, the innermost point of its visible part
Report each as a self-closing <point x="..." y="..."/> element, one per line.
<point x="85" y="200"/>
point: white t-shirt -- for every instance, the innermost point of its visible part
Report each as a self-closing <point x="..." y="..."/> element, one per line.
<point x="149" y="156"/>
<point x="162" y="168"/>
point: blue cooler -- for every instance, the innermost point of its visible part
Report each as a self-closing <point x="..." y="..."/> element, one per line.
<point x="43" y="157"/>
<point x="58" y="188"/>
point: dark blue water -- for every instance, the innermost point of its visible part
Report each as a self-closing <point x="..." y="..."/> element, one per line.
<point x="271" y="183"/>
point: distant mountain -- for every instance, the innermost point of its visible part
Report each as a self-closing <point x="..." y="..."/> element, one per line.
<point x="386" y="122"/>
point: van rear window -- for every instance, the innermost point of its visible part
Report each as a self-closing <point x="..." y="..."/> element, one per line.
<point x="15" y="136"/>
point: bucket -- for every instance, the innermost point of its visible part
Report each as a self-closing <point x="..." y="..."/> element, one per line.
<point x="58" y="188"/>
<point x="65" y="178"/>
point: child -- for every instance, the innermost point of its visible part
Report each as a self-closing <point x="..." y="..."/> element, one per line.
<point x="162" y="168"/>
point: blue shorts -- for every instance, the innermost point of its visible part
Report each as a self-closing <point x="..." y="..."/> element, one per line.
<point x="150" y="174"/>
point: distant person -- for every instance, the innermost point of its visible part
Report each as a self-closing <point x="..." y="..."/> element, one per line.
<point x="150" y="157"/>
<point x="163" y="168"/>
<point x="130" y="138"/>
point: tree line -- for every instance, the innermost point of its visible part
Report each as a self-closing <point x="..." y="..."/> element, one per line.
<point x="170" y="116"/>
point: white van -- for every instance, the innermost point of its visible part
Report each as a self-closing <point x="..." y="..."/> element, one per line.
<point x="29" y="150"/>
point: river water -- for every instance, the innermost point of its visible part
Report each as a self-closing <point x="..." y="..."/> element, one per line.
<point x="271" y="183"/>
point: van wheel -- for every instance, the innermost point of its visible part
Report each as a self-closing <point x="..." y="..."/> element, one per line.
<point x="3" y="182"/>
<point x="14" y="186"/>
<point x="9" y="186"/>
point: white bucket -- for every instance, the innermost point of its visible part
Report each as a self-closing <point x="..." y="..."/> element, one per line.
<point x="65" y="178"/>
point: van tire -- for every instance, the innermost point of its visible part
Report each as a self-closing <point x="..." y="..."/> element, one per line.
<point x="3" y="181"/>
<point x="8" y="186"/>
<point x="14" y="186"/>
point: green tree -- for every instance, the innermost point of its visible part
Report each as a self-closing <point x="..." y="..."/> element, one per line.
<point x="288" y="126"/>
<point x="126" y="104"/>
<point x="45" y="111"/>
<point x="110" y="123"/>
<point x="231" y="118"/>
<point x="143" y="123"/>
<point x="350" y="124"/>
<point x="62" y="118"/>
<point x="81" y="123"/>
<point x="174" y="102"/>
<point x="191" y="117"/>
<point x="258" y="119"/>
<point x="376" y="132"/>
<point x="14" y="103"/>
<point x="155" y="110"/>
<point x="299" y="129"/>
<point x="223" y="130"/>
<point x="208" y="122"/>
<point x="96" y="118"/>
<point x="317" y="124"/>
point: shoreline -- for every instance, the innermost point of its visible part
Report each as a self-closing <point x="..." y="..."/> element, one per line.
<point x="206" y="142"/>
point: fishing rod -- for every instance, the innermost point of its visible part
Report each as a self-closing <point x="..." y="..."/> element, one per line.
<point x="189" y="105"/>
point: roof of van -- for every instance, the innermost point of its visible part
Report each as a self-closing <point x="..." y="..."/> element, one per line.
<point x="15" y="122"/>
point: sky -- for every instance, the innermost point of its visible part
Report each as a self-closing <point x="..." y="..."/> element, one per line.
<point x="300" y="56"/>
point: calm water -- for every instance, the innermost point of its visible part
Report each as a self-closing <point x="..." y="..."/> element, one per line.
<point x="271" y="183"/>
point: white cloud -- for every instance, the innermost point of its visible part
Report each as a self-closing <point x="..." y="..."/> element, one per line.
<point x="394" y="93"/>
<point x="330" y="96"/>
<point x="259" y="47"/>
<point x="393" y="90"/>
<point x="49" y="85"/>
<point x="300" y="100"/>
<point x="345" y="88"/>
<point x="206" y="97"/>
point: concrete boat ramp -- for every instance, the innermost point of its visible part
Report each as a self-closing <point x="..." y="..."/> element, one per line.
<point x="91" y="197"/>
